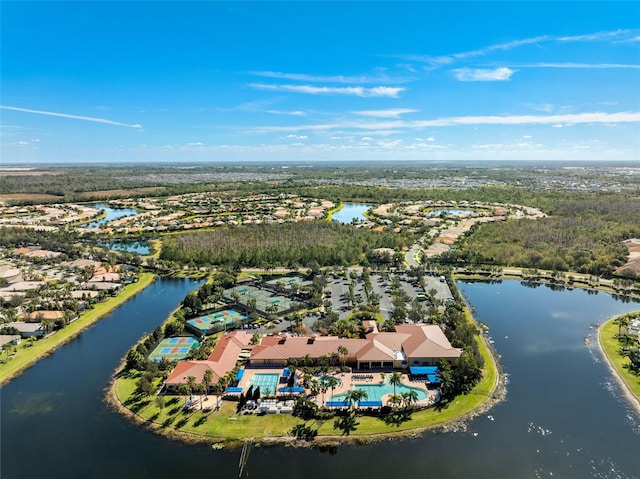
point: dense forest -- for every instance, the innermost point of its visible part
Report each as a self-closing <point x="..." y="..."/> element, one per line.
<point x="290" y="244"/>
<point x="584" y="236"/>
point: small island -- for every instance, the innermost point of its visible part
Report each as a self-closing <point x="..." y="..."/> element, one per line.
<point x="245" y="373"/>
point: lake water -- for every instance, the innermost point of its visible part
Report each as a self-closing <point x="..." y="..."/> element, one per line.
<point x="349" y="212"/>
<point x="112" y="214"/>
<point x="140" y="247"/>
<point x="563" y="417"/>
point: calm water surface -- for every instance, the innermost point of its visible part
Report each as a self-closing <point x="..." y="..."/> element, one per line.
<point x="349" y="212"/>
<point x="139" y="247"/>
<point x="563" y="416"/>
<point x="112" y="214"/>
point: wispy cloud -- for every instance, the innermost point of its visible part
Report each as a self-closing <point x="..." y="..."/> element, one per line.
<point x="598" y="36"/>
<point x="399" y="125"/>
<point x="302" y="77"/>
<point x="290" y="113"/>
<point x="297" y="137"/>
<point x="579" y="65"/>
<point x="379" y="91"/>
<point x="615" y="36"/>
<point x="390" y="113"/>
<point x="73" y="117"/>
<point x="569" y="119"/>
<point x="443" y="60"/>
<point x="483" y="74"/>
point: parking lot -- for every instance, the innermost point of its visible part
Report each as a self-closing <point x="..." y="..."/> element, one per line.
<point x="337" y="291"/>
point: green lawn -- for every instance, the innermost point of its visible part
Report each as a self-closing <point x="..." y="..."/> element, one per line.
<point x="611" y="349"/>
<point x="26" y="356"/>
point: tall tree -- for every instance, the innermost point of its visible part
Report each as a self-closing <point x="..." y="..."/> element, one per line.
<point x="395" y="380"/>
<point x="343" y="352"/>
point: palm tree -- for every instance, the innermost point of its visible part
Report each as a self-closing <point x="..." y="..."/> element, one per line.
<point x="394" y="400"/>
<point x="343" y="352"/>
<point x="409" y="397"/>
<point x="622" y="321"/>
<point x="206" y="380"/>
<point x="183" y="390"/>
<point x="191" y="383"/>
<point x="331" y="382"/>
<point x="354" y="396"/>
<point x="395" y="380"/>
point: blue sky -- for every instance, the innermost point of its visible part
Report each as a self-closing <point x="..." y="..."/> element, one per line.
<point x="294" y="81"/>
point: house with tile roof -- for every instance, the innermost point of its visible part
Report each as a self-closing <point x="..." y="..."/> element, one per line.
<point x="221" y="361"/>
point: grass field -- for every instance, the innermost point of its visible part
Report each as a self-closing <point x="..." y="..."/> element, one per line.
<point x="27" y="356"/>
<point x="611" y="349"/>
<point x="31" y="197"/>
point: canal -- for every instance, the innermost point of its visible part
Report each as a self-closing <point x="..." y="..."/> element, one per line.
<point x="564" y="415"/>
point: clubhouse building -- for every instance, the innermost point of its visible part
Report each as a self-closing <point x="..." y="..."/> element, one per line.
<point x="410" y="345"/>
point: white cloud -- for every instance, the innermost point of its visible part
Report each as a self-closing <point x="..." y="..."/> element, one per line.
<point x="302" y="77"/>
<point x="297" y="137"/>
<point x="391" y="113"/>
<point x="616" y="36"/>
<point x="291" y="113"/>
<point x="570" y="119"/>
<point x="389" y="144"/>
<point x="595" y="36"/>
<point x="379" y="91"/>
<point x="448" y="59"/>
<point x="483" y="74"/>
<point x="390" y="126"/>
<point x="572" y="65"/>
<point x="73" y="117"/>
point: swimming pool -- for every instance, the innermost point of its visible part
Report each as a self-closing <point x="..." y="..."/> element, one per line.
<point x="375" y="392"/>
<point x="267" y="382"/>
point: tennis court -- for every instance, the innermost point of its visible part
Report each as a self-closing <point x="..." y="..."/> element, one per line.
<point x="265" y="301"/>
<point x="288" y="282"/>
<point x="215" y="322"/>
<point x="173" y="349"/>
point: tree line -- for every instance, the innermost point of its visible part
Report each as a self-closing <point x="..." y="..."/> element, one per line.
<point x="291" y="244"/>
<point x="584" y="237"/>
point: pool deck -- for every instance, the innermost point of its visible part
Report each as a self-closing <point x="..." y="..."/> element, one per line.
<point x="347" y="382"/>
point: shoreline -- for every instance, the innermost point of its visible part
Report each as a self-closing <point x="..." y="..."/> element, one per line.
<point x="632" y="399"/>
<point x="85" y="321"/>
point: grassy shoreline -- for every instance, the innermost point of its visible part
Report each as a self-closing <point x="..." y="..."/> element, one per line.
<point x="226" y="427"/>
<point x="610" y="346"/>
<point x="26" y="357"/>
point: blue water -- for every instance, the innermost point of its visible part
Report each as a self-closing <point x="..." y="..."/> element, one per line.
<point x="268" y="382"/>
<point x="563" y="416"/>
<point x="139" y="247"/>
<point x="112" y="214"/>
<point x="349" y="212"/>
<point x="375" y="392"/>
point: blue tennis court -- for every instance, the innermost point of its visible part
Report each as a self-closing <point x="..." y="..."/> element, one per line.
<point x="173" y="348"/>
